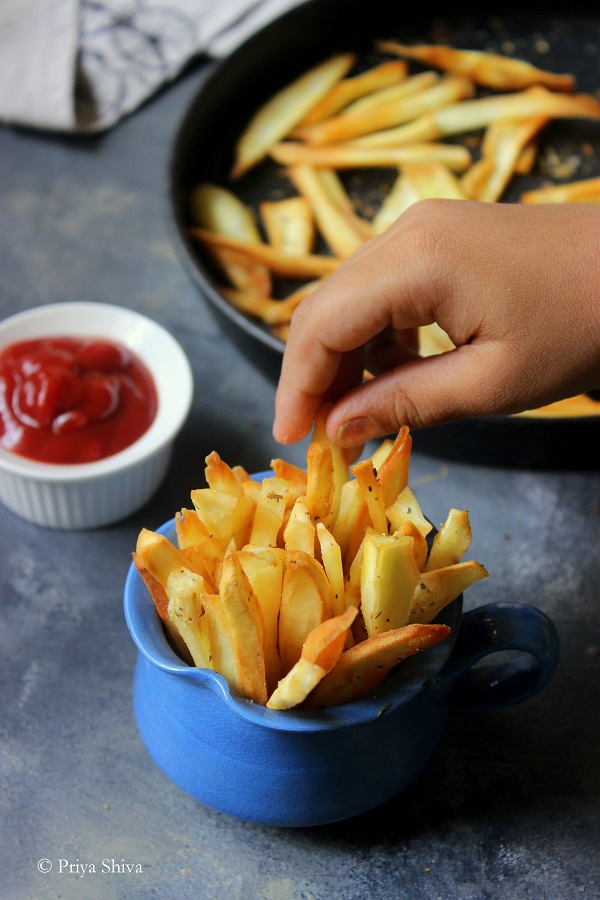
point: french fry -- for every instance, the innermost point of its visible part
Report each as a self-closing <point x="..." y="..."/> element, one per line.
<point x="269" y="512"/>
<point x="471" y="115"/>
<point x="451" y="542"/>
<point x="372" y="493"/>
<point x="351" y="89"/>
<point x="243" y="272"/>
<point x="389" y="575"/>
<point x="202" y="551"/>
<point x="285" y="109"/>
<point x="333" y="186"/>
<point x="245" y="627"/>
<point x="294" y="477"/>
<point x="420" y="546"/>
<point x="186" y="611"/>
<point x="332" y="221"/>
<point x="586" y="190"/>
<point x="270" y="311"/>
<point x="331" y="556"/>
<point x="501" y="149"/>
<point x="320" y="652"/>
<point x="305" y="603"/>
<point x="363" y="109"/>
<point x="402" y="194"/>
<point x="492" y="70"/>
<point x="218" y="209"/>
<point x="225" y="516"/>
<point x="285" y="264"/>
<point x="299" y="533"/>
<point x="377" y="117"/>
<point x="351" y="154"/>
<point x="363" y="667"/>
<point x="264" y="567"/>
<point x="320" y="485"/>
<point x="393" y="470"/>
<point x="289" y="225"/>
<point x="406" y="508"/>
<point x="439" y="587"/>
<point x="341" y="470"/>
<point x="160" y="600"/>
<point x="220" y="476"/>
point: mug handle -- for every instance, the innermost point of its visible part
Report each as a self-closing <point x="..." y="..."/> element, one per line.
<point x="492" y="629"/>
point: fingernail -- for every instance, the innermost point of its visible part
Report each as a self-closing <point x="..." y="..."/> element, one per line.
<point x="357" y="431"/>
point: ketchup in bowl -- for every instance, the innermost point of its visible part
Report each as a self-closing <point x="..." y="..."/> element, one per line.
<point x="73" y="400"/>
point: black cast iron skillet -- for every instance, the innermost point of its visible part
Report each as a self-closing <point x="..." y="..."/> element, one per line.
<point x="235" y="87"/>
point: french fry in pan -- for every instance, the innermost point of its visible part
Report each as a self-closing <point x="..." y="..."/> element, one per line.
<point x="377" y="117"/>
<point x="364" y="108"/>
<point x="501" y="152"/>
<point x="492" y="70"/>
<point x="351" y="154"/>
<point x="586" y="190"/>
<point x="289" y="265"/>
<point x="350" y="89"/>
<point x="471" y="115"/>
<point x="269" y="310"/>
<point x="285" y="109"/>
<point x="289" y="225"/>
<point x="335" y="223"/>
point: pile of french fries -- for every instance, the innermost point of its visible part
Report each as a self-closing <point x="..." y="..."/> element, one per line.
<point x="448" y="123"/>
<point x="307" y="589"/>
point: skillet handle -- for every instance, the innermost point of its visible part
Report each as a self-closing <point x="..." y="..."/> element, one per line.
<point x="492" y="629"/>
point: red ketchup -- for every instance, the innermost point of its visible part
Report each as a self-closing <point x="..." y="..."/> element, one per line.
<point x="73" y="399"/>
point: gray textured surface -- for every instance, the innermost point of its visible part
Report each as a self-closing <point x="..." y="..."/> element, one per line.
<point x="509" y="807"/>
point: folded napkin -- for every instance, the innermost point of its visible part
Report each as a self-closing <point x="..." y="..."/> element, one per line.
<point x="82" y="65"/>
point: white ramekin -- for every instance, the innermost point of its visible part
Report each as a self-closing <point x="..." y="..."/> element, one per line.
<point x="90" y="495"/>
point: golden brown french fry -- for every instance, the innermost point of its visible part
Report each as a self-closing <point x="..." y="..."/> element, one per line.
<point x="243" y="272"/>
<point x="269" y="512"/>
<point x="294" y="477"/>
<point x="420" y="546"/>
<point x="439" y="587"/>
<point x="349" y="89"/>
<point x="341" y="469"/>
<point x="336" y="228"/>
<point x="586" y="190"/>
<point x="305" y="603"/>
<point x="402" y="194"/>
<point x="203" y="552"/>
<point x="332" y="184"/>
<point x="501" y="149"/>
<point x="299" y="532"/>
<point x="389" y="575"/>
<point x="285" y="109"/>
<point x="288" y="265"/>
<point x="331" y="556"/>
<point x="471" y="115"/>
<point x="406" y="508"/>
<point x="363" y="120"/>
<point x="434" y="180"/>
<point x="226" y="517"/>
<point x="393" y="471"/>
<point x="351" y="155"/>
<point x="160" y="599"/>
<point x="320" y="485"/>
<point x="158" y="555"/>
<point x="218" y="209"/>
<point x="264" y="567"/>
<point x="364" y="666"/>
<point x="372" y="493"/>
<point x="349" y="511"/>
<point x="451" y="542"/>
<point x="363" y="108"/>
<point x="269" y="310"/>
<point x="320" y="652"/>
<point x="245" y="627"/>
<point x="433" y="339"/>
<point x="220" y="476"/>
<point x="289" y="224"/>
<point x="186" y="611"/>
<point x="487" y="69"/>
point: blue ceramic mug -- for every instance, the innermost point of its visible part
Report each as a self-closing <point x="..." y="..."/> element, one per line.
<point x="299" y="768"/>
